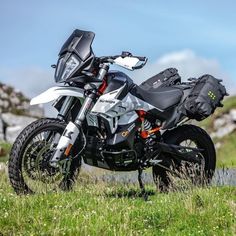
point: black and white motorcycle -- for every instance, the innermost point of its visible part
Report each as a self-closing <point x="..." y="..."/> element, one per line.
<point x="109" y="122"/>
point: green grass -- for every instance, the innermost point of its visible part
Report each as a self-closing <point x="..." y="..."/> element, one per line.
<point x="4" y="151"/>
<point x="226" y="154"/>
<point x="103" y="209"/>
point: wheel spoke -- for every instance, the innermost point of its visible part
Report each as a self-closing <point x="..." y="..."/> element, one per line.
<point x="192" y="170"/>
<point x="37" y="173"/>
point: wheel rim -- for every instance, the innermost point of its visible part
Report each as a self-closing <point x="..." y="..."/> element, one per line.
<point x="38" y="175"/>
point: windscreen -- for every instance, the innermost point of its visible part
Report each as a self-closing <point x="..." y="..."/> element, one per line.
<point x="80" y="43"/>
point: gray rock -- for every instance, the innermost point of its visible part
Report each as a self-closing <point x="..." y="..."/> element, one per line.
<point x="14" y="100"/>
<point x="7" y="104"/>
<point x="232" y="114"/>
<point x="15" y="124"/>
<point x="221" y="132"/>
<point x="15" y="120"/>
<point x="12" y="133"/>
<point x="222" y="121"/>
<point x="218" y="145"/>
<point x="219" y="122"/>
<point x="4" y="95"/>
<point x="4" y="104"/>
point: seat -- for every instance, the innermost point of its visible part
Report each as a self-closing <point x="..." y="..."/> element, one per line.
<point x="162" y="98"/>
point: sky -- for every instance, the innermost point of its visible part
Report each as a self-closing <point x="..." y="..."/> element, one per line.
<point x="196" y="37"/>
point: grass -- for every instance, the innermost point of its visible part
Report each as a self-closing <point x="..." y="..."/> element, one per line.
<point x="226" y="154"/>
<point x="104" y="209"/>
<point x="4" y="151"/>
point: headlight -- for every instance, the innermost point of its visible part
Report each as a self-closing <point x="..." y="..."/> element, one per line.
<point x="70" y="67"/>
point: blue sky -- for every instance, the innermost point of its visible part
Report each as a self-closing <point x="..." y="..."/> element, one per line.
<point x="32" y="33"/>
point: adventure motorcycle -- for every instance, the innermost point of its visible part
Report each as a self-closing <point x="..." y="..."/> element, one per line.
<point x="108" y="121"/>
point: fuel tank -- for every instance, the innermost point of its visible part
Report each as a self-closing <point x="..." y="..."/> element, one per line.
<point x="117" y="80"/>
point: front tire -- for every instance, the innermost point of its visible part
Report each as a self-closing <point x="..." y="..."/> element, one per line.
<point x="201" y="140"/>
<point x="30" y="156"/>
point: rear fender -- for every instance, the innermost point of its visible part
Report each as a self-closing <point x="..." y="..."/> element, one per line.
<point x="55" y="92"/>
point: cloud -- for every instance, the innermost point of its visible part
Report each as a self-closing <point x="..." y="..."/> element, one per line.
<point x="188" y="64"/>
<point x="31" y="81"/>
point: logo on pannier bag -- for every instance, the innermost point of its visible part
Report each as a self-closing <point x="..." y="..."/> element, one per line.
<point x="211" y="95"/>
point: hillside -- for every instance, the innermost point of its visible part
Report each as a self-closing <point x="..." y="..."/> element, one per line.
<point x="222" y="128"/>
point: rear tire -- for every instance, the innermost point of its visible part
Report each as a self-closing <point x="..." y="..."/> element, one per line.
<point x="18" y="152"/>
<point x="177" y="136"/>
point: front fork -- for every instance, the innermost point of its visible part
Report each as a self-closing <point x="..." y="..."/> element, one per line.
<point x="71" y="132"/>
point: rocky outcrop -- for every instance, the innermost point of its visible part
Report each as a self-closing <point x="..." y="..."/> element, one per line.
<point x="15" y="113"/>
<point x="224" y="125"/>
<point x="13" y="101"/>
<point x="14" y="124"/>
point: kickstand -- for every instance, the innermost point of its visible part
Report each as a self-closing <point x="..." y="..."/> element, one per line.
<point x="141" y="184"/>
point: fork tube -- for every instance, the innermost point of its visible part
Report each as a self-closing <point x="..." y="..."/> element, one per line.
<point x="65" y="107"/>
<point x="84" y="109"/>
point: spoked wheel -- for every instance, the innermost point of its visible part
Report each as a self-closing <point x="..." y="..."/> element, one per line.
<point x="29" y="168"/>
<point x="199" y="173"/>
<point x="193" y="171"/>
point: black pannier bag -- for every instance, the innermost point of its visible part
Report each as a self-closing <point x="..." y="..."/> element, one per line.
<point x="165" y="78"/>
<point x="205" y="97"/>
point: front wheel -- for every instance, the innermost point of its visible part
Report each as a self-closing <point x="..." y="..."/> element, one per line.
<point x="29" y="168"/>
<point x="188" y="136"/>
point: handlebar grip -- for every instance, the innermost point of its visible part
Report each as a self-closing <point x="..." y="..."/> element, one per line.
<point x="141" y="58"/>
<point x="142" y="64"/>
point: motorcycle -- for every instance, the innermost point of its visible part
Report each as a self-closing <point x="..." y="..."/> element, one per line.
<point x="107" y="121"/>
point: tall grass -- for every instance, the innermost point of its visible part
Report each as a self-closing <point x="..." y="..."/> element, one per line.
<point x="99" y="208"/>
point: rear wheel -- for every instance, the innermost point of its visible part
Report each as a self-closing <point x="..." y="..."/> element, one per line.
<point x="29" y="169"/>
<point x="199" y="174"/>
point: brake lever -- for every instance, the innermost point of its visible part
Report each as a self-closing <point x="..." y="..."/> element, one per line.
<point x="126" y="54"/>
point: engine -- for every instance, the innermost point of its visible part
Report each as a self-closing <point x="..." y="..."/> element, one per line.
<point x="124" y="150"/>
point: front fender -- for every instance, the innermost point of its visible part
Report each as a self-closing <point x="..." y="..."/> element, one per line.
<point x="56" y="92"/>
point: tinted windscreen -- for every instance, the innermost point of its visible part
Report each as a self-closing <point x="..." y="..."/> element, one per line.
<point x="80" y="43"/>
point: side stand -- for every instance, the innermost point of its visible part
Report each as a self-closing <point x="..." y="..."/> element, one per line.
<point x="141" y="184"/>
